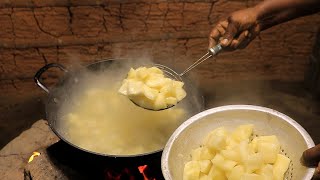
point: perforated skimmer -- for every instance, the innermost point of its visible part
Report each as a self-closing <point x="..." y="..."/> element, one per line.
<point x="170" y="73"/>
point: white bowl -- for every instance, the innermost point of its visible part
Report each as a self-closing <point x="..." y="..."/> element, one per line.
<point x="293" y="138"/>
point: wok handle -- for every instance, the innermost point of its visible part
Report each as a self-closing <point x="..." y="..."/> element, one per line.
<point x="37" y="76"/>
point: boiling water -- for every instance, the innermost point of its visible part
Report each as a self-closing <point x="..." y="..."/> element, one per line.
<point x="99" y="119"/>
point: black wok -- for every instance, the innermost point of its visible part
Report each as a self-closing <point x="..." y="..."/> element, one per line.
<point x="60" y="94"/>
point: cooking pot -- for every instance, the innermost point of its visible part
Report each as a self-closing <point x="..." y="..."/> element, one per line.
<point x="60" y="94"/>
<point x="294" y="140"/>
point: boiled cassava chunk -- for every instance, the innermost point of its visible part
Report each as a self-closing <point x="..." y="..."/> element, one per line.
<point x="216" y="174"/>
<point x="231" y="155"/>
<point x="201" y="153"/>
<point x="206" y="153"/>
<point x="253" y="162"/>
<point x="242" y="132"/>
<point x="268" y="146"/>
<point x="217" y="160"/>
<point x="222" y="163"/>
<point x="205" y="166"/>
<point x="149" y="88"/>
<point x="171" y="101"/>
<point x="254" y="144"/>
<point x="191" y="171"/>
<point x="269" y="151"/>
<point x="216" y="140"/>
<point x="266" y="171"/>
<point x="247" y="176"/>
<point x="180" y="93"/>
<point x="231" y="143"/>
<point x="195" y="154"/>
<point x="204" y="177"/>
<point x="243" y="150"/>
<point x="228" y="165"/>
<point x="270" y="139"/>
<point x="280" y="166"/>
<point x="160" y="102"/>
<point x="134" y="87"/>
<point x="150" y="93"/>
<point x="236" y="172"/>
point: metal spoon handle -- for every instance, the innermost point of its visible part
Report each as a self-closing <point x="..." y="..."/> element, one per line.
<point x="212" y="52"/>
<point x="215" y="50"/>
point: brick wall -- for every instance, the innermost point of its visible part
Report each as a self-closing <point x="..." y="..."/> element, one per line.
<point x="34" y="33"/>
<point x="312" y="77"/>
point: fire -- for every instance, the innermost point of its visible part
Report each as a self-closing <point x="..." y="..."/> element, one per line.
<point x="124" y="174"/>
<point x="34" y="154"/>
<point x="129" y="174"/>
<point x="142" y="170"/>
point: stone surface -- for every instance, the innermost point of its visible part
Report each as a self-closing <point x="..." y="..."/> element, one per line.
<point x="44" y="167"/>
<point x="15" y="155"/>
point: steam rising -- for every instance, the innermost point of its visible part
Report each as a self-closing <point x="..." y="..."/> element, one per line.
<point x="94" y="116"/>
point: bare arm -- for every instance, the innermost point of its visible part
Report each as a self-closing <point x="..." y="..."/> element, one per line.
<point x="243" y="26"/>
<point x="273" y="12"/>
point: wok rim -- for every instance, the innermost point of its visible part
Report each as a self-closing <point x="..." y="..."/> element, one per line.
<point x="167" y="149"/>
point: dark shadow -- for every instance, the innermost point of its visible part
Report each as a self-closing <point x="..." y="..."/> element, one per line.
<point x="290" y="98"/>
<point x="76" y="163"/>
<point x="17" y="115"/>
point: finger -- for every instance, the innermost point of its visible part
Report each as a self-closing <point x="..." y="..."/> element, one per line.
<point x="317" y="173"/>
<point x="224" y="24"/>
<point x="236" y="42"/>
<point x="217" y="32"/>
<point x="311" y="157"/>
<point x="245" y="43"/>
<point x="249" y="37"/>
<point x="230" y="33"/>
<point x="214" y="37"/>
<point x="221" y="30"/>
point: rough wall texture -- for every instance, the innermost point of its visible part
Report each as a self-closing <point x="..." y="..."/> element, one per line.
<point x="35" y="32"/>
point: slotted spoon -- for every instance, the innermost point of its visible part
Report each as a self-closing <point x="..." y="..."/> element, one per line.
<point x="170" y="73"/>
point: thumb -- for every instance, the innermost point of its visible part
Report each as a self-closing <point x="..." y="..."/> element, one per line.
<point x="311" y="157"/>
<point x="317" y="173"/>
<point x="230" y="33"/>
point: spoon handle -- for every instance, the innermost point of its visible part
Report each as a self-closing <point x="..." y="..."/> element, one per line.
<point x="212" y="52"/>
<point x="215" y="50"/>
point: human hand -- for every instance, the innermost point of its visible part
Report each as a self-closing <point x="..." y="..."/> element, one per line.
<point x="240" y="28"/>
<point x="311" y="158"/>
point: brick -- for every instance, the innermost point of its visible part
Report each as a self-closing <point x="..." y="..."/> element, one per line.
<point x="87" y="21"/>
<point x="28" y="61"/>
<point x="64" y="3"/>
<point x="25" y="25"/>
<point x="6" y="24"/>
<point x="53" y="21"/>
<point x="7" y="64"/>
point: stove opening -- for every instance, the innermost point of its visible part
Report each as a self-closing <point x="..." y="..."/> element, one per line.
<point x="90" y="166"/>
